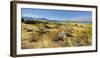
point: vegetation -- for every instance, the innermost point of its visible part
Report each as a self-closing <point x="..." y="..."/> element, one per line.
<point x="51" y="34"/>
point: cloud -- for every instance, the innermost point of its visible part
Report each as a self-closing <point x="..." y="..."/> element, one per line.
<point x="27" y="15"/>
<point x="31" y="15"/>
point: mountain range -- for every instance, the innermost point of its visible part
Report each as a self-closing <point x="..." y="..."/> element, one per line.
<point x="73" y="20"/>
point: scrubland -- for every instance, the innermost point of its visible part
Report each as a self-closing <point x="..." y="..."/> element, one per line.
<point x="53" y="35"/>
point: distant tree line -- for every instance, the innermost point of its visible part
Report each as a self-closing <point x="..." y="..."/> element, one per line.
<point x="40" y="21"/>
<point x="33" y="21"/>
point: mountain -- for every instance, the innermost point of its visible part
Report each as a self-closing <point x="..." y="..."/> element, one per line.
<point x="81" y="20"/>
<point x="31" y="18"/>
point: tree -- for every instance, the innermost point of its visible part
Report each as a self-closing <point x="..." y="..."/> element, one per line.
<point x="22" y="20"/>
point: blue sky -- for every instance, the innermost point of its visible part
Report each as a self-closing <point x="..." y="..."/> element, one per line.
<point x="65" y="15"/>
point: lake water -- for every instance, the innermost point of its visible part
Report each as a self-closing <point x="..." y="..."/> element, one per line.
<point x="85" y="22"/>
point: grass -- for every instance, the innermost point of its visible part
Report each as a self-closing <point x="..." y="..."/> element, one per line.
<point x="47" y="35"/>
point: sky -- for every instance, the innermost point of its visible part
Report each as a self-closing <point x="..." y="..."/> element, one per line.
<point x="61" y="15"/>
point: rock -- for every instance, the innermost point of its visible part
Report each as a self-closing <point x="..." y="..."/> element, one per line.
<point x="60" y="36"/>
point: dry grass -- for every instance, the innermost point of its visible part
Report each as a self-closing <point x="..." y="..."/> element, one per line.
<point x="39" y="36"/>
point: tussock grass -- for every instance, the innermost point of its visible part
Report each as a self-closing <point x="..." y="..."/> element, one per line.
<point x="44" y="35"/>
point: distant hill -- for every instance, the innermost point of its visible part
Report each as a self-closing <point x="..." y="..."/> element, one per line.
<point x="31" y="18"/>
<point x="50" y="20"/>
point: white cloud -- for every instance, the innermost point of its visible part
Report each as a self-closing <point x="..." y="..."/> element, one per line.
<point x="31" y="15"/>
